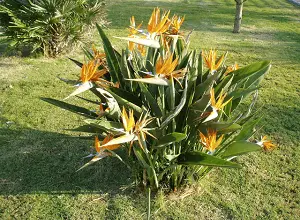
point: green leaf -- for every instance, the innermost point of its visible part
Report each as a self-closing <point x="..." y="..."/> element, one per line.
<point x="198" y="108"/>
<point x="184" y="62"/>
<point x="239" y="147"/>
<point x="139" y="153"/>
<point x="111" y="58"/>
<point x="114" y="154"/>
<point x="238" y="93"/>
<point x="257" y="76"/>
<point x="247" y="71"/>
<point x="199" y="158"/>
<point x="200" y="68"/>
<point x="88" y="53"/>
<point x="224" y="84"/>
<point x="178" y="108"/>
<point x="247" y="130"/>
<point x="169" y="139"/>
<point x="108" y="126"/>
<point x="131" y="97"/>
<point x="151" y="101"/>
<point x="126" y="71"/>
<point x="76" y="62"/>
<point x="223" y="127"/>
<point x="203" y="87"/>
<point x="72" y="108"/>
<point x="128" y="104"/>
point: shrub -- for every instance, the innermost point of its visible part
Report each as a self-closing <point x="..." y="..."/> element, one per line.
<point x="50" y="26"/>
<point x="176" y="112"/>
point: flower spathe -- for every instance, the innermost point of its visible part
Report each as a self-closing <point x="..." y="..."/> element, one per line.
<point x="210" y="140"/>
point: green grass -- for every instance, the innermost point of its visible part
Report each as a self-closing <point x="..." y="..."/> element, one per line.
<point x="39" y="157"/>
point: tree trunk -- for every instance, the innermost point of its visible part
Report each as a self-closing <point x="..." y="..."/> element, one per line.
<point x="238" y="16"/>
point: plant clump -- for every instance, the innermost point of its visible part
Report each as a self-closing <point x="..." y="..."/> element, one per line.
<point x="174" y="111"/>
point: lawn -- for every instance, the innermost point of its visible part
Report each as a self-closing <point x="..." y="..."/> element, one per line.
<point x="39" y="154"/>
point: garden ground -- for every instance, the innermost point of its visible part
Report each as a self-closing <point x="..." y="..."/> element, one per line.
<point x="39" y="155"/>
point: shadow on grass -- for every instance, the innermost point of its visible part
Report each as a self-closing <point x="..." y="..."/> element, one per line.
<point x="33" y="161"/>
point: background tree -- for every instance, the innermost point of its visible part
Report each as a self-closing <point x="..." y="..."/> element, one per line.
<point x="238" y="15"/>
<point x="48" y="26"/>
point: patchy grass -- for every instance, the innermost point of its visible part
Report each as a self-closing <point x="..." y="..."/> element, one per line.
<point x="39" y="157"/>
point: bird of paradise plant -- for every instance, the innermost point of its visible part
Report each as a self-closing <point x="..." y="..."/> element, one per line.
<point x="180" y="111"/>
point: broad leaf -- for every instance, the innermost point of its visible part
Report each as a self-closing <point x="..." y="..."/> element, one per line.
<point x="247" y="130"/>
<point x="170" y="138"/>
<point x="239" y="93"/>
<point x="238" y="148"/>
<point x="224" y="127"/>
<point x="108" y="126"/>
<point x="247" y="71"/>
<point x="76" y="62"/>
<point x="131" y="97"/>
<point x="203" y="87"/>
<point x="151" y="101"/>
<point x="199" y="158"/>
<point x="178" y="108"/>
<point x="111" y="58"/>
<point x="128" y="104"/>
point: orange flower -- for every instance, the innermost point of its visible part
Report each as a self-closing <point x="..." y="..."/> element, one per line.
<point x="210" y="60"/>
<point x="100" y="149"/>
<point x="133" y="30"/>
<point x="90" y="72"/>
<point x="210" y="141"/>
<point x="98" y="55"/>
<point x="267" y="145"/>
<point x="128" y="120"/>
<point x="158" y="25"/>
<point x="231" y="68"/>
<point x="166" y="66"/>
<point x="216" y="105"/>
<point x="176" y="24"/>
<point x="132" y="129"/>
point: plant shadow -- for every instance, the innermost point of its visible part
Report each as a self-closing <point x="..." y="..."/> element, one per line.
<point x="35" y="161"/>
